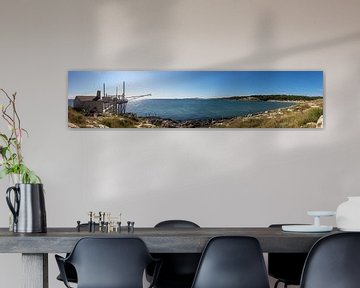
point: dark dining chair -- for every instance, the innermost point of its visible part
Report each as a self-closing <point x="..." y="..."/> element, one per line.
<point x="70" y="271"/>
<point x="286" y="267"/>
<point x="333" y="262"/>
<point x="232" y="262"/>
<point x="108" y="263"/>
<point x="178" y="269"/>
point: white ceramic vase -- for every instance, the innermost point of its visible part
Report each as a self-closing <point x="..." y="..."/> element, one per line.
<point x="348" y="214"/>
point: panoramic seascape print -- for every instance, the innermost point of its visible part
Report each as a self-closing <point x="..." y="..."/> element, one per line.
<point x="195" y="99"/>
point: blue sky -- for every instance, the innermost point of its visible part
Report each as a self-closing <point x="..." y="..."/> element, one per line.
<point x="202" y="84"/>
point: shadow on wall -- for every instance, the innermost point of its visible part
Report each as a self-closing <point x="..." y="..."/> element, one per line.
<point x="211" y="163"/>
<point x="268" y="54"/>
<point x="135" y="32"/>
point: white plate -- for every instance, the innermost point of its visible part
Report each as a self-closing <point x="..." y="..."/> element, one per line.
<point x="350" y="229"/>
<point x="321" y="213"/>
<point x="306" y="228"/>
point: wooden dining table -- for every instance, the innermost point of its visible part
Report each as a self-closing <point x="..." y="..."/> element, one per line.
<point x="35" y="247"/>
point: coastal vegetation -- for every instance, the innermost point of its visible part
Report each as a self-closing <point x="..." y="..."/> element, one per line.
<point x="119" y="122"/>
<point x="76" y="117"/>
<point x="298" y="116"/>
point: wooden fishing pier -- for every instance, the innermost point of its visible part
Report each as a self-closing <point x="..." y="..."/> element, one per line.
<point x="105" y="103"/>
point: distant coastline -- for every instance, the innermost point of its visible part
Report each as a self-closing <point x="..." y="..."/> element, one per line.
<point x="274" y="97"/>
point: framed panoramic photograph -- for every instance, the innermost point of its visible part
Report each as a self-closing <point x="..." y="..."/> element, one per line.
<point x="195" y="99"/>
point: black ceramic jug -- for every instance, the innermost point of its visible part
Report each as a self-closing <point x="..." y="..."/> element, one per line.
<point x="28" y="208"/>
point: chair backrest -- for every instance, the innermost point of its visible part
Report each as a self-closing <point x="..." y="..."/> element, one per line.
<point x="286" y="267"/>
<point x="176" y="224"/>
<point x="178" y="269"/>
<point x="232" y="262"/>
<point x="333" y="262"/>
<point x="110" y="262"/>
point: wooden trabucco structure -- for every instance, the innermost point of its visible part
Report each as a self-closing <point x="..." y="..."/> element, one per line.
<point x="115" y="104"/>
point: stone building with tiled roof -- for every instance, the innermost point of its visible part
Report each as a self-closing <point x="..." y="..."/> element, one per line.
<point x="90" y="104"/>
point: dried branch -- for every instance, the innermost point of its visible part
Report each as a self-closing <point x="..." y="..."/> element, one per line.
<point x="10" y="152"/>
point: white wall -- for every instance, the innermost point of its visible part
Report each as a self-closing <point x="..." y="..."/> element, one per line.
<point x="214" y="177"/>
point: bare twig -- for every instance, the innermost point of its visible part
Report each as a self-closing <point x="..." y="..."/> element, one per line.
<point x="14" y="123"/>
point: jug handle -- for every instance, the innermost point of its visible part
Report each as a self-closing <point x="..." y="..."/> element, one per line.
<point x="13" y="208"/>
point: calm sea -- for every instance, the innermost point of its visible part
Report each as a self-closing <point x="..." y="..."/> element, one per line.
<point x="196" y="109"/>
